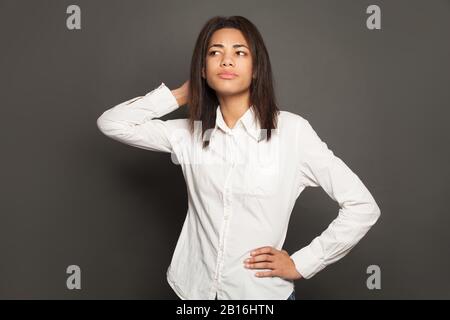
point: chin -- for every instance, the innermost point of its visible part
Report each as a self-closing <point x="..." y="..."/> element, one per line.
<point x="227" y="92"/>
<point x="227" y="89"/>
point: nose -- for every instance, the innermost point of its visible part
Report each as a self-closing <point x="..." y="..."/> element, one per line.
<point x="227" y="61"/>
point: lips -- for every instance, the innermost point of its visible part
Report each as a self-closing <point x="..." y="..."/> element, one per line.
<point x="227" y="75"/>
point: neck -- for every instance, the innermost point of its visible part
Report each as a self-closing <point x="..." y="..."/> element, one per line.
<point x="233" y="107"/>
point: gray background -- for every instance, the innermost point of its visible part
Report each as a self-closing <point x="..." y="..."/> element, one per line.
<point x="69" y="195"/>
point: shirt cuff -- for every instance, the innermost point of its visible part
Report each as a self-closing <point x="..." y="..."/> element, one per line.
<point x="306" y="263"/>
<point x="159" y="101"/>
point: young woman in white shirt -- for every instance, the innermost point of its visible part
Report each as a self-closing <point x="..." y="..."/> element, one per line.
<point x="245" y="163"/>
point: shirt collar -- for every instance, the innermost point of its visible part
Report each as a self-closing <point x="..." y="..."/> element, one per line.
<point x="248" y="120"/>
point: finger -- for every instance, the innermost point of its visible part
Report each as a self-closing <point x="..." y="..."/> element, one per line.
<point x="262" y="274"/>
<point x="259" y="258"/>
<point x="268" y="250"/>
<point x="260" y="265"/>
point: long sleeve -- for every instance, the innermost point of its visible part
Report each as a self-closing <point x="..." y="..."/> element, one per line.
<point x="358" y="209"/>
<point x="132" y="122"/>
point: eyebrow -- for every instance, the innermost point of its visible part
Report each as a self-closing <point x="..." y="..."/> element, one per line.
<point x="221" y="45"/>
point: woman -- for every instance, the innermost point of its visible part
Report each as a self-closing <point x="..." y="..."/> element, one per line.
<point x="245" y="163"/>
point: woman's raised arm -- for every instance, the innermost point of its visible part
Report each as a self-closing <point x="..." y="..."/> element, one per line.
<point x="133" y="122"/>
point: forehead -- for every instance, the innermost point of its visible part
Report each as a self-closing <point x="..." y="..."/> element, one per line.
<point x="228" y="36"/>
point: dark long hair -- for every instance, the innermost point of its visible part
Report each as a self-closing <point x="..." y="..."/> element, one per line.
<point x="202" y="99"/>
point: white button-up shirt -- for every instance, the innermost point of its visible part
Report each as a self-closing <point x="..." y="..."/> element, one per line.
<point x="241" y="191"/>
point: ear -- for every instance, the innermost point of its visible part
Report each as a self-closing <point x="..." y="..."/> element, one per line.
<point x="203" y="73"/>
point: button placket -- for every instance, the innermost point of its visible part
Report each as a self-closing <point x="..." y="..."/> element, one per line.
<point x="227" y="212"/>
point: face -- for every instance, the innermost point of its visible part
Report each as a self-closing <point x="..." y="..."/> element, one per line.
<point x="228" y="62"/>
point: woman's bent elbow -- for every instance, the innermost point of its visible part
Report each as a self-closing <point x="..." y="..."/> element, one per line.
<point x="102" y="124"/>
<point x="377" y="212"/>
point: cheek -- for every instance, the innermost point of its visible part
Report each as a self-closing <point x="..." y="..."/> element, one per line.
<point x="211" y="74"/>
<point x="246" y="68"/>
<point x="211" y="65"/>
<point x="247" y="72"/>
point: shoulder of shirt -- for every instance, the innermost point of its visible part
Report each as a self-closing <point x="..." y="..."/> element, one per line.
<point x="287" y="117"/>
<point x="179" y="123"/>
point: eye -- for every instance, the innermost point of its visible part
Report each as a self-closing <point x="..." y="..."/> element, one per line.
<point x="212" y="53"/>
